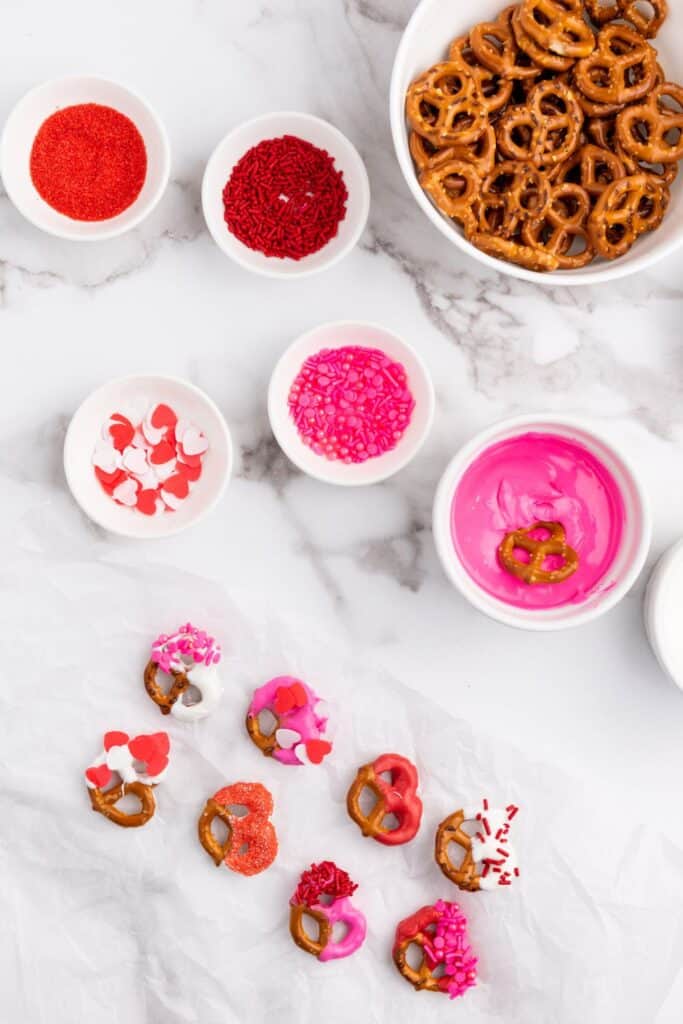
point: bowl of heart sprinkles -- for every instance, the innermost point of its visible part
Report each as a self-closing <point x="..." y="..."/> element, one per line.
<point x="350" y="403"/>
<point x="147" y="456"/>
<point x="286" y="195"/>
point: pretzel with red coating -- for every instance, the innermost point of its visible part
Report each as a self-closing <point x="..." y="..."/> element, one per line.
<point x="626" y="209"/>
<point x="444" y="105"/>
<point x="251" y="844"/>
<point x="622" y="69"/>
<point x="645" y="130"/>
<point x="397" y="797"/>
<point x="557" y="26"/>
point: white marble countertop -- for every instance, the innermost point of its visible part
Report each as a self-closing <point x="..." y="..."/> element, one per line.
<point x="359" y="566"/>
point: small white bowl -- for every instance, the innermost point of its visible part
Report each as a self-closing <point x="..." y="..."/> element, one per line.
<point x="434" y="24"/>
<point x="662" y="612"/>
<point x="319" y="133"/>
<point x="141" y="392"/>
<point x="630" y="558"/>
<point x="22" y="127"/>
<point x="337" y="335"/>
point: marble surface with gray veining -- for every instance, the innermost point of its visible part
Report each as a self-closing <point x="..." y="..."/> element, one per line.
<point x="358" y="565"/>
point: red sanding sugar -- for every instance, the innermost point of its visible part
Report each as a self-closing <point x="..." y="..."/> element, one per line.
<point x="285" y="198"/>
<point x="88" y="162"/>
<point x="351" y="404"/>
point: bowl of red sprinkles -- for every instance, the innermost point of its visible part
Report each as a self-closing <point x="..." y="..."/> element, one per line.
<point x="286" y="195"/>
<point x="350" y="403"/>
<point x="84" y="158"/>
<point x="147" y="456"/>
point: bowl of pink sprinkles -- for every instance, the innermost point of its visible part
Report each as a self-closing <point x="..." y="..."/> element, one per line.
<point x="350" y="403"/>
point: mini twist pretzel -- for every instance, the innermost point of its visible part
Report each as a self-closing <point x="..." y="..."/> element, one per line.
<point x="592" y="167"/>
<point x="251" y="843"/>
<point x="494" y="90"/>
<point x="481" y="153"/>
<point x="444" y="105"/>
<point x="626" y="209"/>
<point x="643" y="129"/>
<point x="165" y="699"/>
<point x="449" y="831"/>
<point x="494" y="45"/>
<point x="541" y="57"/>
<point x="564" y="223"/>
<point x="105" y="803"/>
<point x="297" y="914"/>
<point x="413" y="932"/>
<point x="424" y="154"/>
<point x="647" y="26"/>
<point x="532" y="572"/>
<point x="557" y="111"/>
<point x="513" y="251"/>
<point x="447" y="963"/>
<point x="324" y="895"/>
<point x="603" y="131"/>
<point x="398" y="797"/>
<point x="488" y="859"/>
<point x="523" y="191"/>
<point x="453" y="185"/>
<point x="622" y="69"/>
<point x="600" y="13"/>
<point x="557" y="26"/>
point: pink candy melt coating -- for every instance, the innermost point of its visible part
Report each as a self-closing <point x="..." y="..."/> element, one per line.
<point x="351" y="404"/>
<point x="305" y="721"/>
<point x="519" y="481"/>
<point x="343" y="910"/>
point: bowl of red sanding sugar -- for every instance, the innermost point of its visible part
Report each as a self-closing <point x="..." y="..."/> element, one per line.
<point x="147" y="456"/>
<point x="84" y="158"/>
<point x="350" y="403"/>
<point x="286" y="195"/>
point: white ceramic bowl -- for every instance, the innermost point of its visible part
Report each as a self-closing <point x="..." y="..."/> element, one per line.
<point x="319" y="133"/>
<point x="20" y="131"/>
<point x="140" y="393"/>
<point x="662" y="612"/>
<point x="630" y="557"/>
<point x="336" y="335"/>
<point x="434" y="24"/>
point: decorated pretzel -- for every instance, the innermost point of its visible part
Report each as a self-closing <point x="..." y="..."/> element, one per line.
<point x="592" y="167"/>
<point x="128" y="767"/>
<point x="397" y="797"/>
<point x="494" y="91"/>
<point x="626" y="209"/>
<point x="251" y="844"/>
<point x="553" y="546"/>
<point x="447" y="963"/>
<point x="453" y="185"/>
<point x="444" y="105"/>
<point x="539" y="56"/>
<point x="300" y="717"/>
<point x="557" y="26"/>
<point x="622" y="69"/>
<point x="562" y="230"/>
<point x="652" y="130"/>
<point x="190" y="657"/>
<point x="488" y="859"/>
<point x="494" y="45"/>
<point x="328" y="881"/>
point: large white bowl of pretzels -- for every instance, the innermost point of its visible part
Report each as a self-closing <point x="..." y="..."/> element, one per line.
<point x="543" y="138"/>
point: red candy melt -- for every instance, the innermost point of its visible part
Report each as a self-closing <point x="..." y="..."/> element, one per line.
<point x="351" y="404"/>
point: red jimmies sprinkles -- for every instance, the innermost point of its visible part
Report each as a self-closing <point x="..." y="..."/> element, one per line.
<point x="88" y="162"/>
<point x="285" y="198"/>
<point x="351" y="404"/>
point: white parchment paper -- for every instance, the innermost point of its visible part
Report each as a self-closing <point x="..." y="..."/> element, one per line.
<point x="106" y="925"/>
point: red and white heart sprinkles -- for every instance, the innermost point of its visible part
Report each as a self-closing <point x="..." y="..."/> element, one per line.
<point x="149" y="466"/>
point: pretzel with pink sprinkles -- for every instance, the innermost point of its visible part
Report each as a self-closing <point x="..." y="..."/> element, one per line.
<point x="447" y="964"/>
<point x="190" y="657"/>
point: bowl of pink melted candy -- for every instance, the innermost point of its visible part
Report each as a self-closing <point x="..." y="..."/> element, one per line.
<point x="541" y="522"/>
<point x="350" y="403"/>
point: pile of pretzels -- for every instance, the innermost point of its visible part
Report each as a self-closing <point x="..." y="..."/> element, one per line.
<point x="551" y="134"/>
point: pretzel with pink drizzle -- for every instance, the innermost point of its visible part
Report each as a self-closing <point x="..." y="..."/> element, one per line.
<point x="326" y="880"/>
<point x="300" y="722"/>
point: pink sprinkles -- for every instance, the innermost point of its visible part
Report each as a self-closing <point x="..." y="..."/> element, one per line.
<point x="351" y="404"/>
<point x="448" y="946"/>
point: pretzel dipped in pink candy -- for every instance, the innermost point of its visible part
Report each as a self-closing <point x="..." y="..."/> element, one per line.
<point x="300" y="718"/>
<point x="447" y="963"/>
<point x="190" y="657"/>
<point x="127" y="767"/>
<point x="326" y="881"/>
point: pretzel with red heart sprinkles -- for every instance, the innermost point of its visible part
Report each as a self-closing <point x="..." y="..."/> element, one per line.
<point x="397" y="797"/>
<point x="138" y="764"/>
<point x="251" y="844"/>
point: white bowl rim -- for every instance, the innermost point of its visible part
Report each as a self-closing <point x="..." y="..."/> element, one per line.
<point x="106" y="232"/>
<point x="225" y="429"/>
<point x="491" y="606"/>
<point x="651" y="603"/>
<point x="302" y="270"/>
<point x="385" y="474"/>
<point x="562" y="278"/>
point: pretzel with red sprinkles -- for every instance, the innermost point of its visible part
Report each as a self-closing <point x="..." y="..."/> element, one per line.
<point x="488" y="858"/>
<point x="251" y="844"/>
<point x="323" y="896"/>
